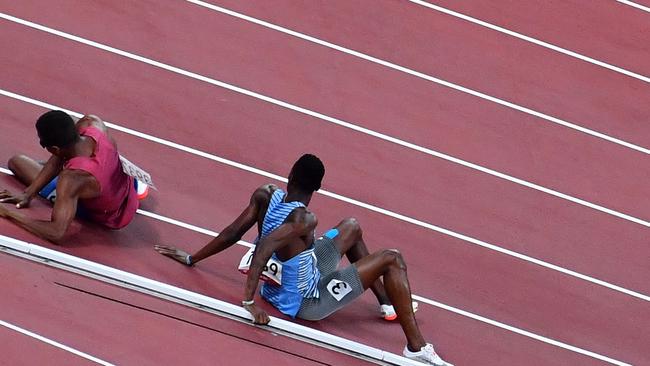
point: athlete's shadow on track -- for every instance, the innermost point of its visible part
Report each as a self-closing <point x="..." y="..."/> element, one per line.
<point x="138" y="235"/>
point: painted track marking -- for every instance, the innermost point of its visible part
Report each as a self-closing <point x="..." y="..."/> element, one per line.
<point x="54" y="343"/>
<point x="532" y="40"/>
<point x="460" y="311"/>
<point x="430" y="78"/>
<point x="439" y="9"/>
<point x="332" y="120"/>
<point x="517" y="330"/>
<point x="634" y="5"/>
<point x="336" y="121"/>
<point x="367" y="206"/>
<point x="160" y="287"/>
<point x="422" y="299"/>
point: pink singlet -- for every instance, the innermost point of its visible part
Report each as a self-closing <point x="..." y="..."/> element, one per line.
<point x="117" y="201"/>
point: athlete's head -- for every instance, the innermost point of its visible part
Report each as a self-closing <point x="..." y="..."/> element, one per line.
<point x="307" y="173"/>
<point x="56" y="131"/>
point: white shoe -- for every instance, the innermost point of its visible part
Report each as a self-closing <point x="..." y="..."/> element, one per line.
<point x="142" y="190"/>
<point x="426" y="355"/>
<point x="388" y="311"/>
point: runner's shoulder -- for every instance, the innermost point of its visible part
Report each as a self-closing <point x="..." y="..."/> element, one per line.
<point x="264" y="193"/>
<point x="92" y="120"/>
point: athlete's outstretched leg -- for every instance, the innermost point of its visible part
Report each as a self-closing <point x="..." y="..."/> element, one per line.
<point x="349" y="242"/>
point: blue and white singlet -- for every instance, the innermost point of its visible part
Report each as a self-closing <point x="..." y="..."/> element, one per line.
<point x="300" y="275"/>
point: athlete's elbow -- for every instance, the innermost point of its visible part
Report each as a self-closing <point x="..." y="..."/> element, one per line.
<point x="56" y="235"/>
<point x="56" y="239"/>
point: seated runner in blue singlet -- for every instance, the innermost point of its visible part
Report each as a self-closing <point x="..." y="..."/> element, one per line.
<point x="299" y="274"/>
<point x="312" y="287"/>
<point x="309" y="285"/>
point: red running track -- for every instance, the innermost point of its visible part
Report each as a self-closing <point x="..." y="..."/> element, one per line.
<point x="146" y="94"/>
<point x="124" y="327"/>
<point x="487" y="61"/>
<point x="493" y="288"/>
<point x="358" y="322"/>
<point x="537" y="236"/>
<point x="421" y="112"/>
<point x="605" y="30"/>
<point x="532" y="218"/>
<point x="24" y="350"/>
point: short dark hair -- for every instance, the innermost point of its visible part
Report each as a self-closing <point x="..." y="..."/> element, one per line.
<point x="307" y="173"/>
<point x="56" y="128"/>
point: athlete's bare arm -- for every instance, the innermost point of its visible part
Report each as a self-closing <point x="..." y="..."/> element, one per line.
<point x="291" y="238"/>
<point x="34" y="176"/>
<point x="228" y="236"/>
<point x="72" y="185"/>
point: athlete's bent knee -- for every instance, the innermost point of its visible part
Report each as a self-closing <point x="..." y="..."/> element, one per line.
<point x="351" y="225"/>
<point x="13" y="162"/>
<point x="395" y="258"/>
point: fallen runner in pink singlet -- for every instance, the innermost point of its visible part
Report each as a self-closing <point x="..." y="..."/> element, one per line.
<point x="84" y="168"/>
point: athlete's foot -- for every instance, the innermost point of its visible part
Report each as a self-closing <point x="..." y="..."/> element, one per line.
<point x="388" y="311"/>
<point x="142" y="190"/>
<point x="175" y="254"/>
<point x="426" y="355"/>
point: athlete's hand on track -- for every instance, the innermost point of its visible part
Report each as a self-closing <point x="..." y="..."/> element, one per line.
<point x="259" y="316"/>
<point x="173" y="253"/>
<point x="21" y="200"/>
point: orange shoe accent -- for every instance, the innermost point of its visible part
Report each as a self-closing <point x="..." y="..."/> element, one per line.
<point x="390" y="317"/>
<point x="389" y="314"/>
<point x="142" y="193"/>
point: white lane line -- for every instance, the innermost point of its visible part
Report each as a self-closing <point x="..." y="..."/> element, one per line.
<point x="166" y="289"/>
<point x="532" y="40"/>
<point x="433" y="7"/>
<point x="522" y="332"/>
<point x="427" y="77"/>
<point x="187" y="226"/>
<point x="315" y="114"/>
<point x="367" y="206"/>
<point x="635" y="5"/>
<point x="345" y="124"/>
<point x="54" y="343"/>
<point x="338" y="122"/>
<point x="342" y="123"/>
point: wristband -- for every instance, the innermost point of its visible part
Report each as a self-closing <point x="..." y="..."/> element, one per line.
<point x="248" y="302"/>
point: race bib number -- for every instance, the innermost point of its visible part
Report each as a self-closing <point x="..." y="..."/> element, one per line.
<point x="338" y="289"/>
<point x="136" y="172"/>
<point x="272" y="272"/>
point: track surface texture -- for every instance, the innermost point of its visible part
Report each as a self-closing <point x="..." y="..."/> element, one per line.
<point x="314" y="90"/>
